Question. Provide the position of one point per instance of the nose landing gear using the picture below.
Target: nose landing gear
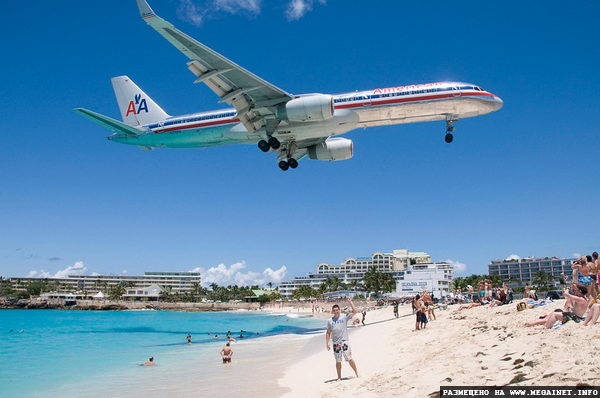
(449, 130)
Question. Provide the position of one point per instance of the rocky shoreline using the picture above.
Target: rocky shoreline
(121, 305)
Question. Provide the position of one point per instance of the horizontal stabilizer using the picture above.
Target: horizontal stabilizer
(109, 123)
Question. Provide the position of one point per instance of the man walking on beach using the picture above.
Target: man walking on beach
(337, 331)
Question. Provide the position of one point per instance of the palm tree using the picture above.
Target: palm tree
(496, 280)
(116, 292)
(355, 285)
(542, 280)
(304, 291)
(378, 282)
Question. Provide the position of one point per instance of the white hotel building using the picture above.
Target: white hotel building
(413, 272)
(176, 282)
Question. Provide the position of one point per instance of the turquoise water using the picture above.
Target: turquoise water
(46, 350)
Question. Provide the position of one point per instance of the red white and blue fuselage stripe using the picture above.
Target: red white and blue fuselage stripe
(394, 96)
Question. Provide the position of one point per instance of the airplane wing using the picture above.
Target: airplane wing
(254, 98)
(109, 123)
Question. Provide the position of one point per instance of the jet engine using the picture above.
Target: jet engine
(332, 149)
(308, 108)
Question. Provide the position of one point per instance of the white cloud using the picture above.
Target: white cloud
(298, 8)
(224, 275)
(459, 268)
(513, 257)
(190, 12)
(76, 269)
(197, 14)
(236, 6)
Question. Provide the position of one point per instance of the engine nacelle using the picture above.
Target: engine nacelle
(309, 108)
(332, 149)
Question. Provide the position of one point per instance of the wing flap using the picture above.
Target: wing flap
(109, 123)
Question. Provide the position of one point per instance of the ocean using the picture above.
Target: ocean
(74, 353)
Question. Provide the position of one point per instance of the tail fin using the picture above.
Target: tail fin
(137, 108)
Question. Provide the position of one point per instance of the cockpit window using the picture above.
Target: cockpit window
(479, 88)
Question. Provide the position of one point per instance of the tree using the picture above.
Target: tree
(355, 285)
(378, 282)
(496, 280)
(34, 288)
(330, 284)
(542, 280)
(116, 292)
(305, 291)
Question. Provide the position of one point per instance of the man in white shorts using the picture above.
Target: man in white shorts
(337, 331)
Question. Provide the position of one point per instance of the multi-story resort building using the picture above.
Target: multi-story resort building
(523, 270)
(176, 282)
(413, 272)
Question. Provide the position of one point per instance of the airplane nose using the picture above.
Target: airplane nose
(498, 103)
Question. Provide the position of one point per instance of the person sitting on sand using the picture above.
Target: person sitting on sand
(593, 312)
(576, 303)
(226, 353)
(526, 291)
(149, 362)
(550, 319)
(470, 305)
(502, 298)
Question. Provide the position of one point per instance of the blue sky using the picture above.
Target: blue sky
(521, 181)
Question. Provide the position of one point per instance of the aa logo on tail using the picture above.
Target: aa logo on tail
(137, 106)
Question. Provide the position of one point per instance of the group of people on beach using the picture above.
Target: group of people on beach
(423, 307)
(582, 298)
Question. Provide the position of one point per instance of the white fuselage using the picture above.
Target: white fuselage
(393, 105)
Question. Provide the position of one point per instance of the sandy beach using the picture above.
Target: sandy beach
(474, 347)
(480, 346)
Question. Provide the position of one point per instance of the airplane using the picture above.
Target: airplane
(292, 126)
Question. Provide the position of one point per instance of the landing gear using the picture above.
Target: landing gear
(449, 130)
(283, 165)
(274, 143)
(286, 164)
(264, 146)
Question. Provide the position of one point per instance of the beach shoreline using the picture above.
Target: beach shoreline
(480, 346)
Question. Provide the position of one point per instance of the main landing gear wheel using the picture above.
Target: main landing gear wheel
(283, 165)
(449, 138)
(286, 164)
(274, 143)
(264, 146)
